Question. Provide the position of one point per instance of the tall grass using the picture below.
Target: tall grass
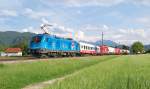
(1, 65)
(16, 76)
(126, 72)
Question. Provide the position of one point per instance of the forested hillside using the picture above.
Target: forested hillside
(12, 38)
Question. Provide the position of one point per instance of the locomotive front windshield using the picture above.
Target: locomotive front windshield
(37, 39)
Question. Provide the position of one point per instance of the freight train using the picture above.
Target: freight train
(43, 45)
(46, 45)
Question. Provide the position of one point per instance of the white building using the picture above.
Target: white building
(3, 54)
(12, 52)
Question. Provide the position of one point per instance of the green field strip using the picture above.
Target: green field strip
(125, 72)
(19, 75)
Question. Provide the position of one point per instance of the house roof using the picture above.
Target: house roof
(13, 50)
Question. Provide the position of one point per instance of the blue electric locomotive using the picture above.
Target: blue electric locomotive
(50, 45)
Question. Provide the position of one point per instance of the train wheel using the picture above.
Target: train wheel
(73, 54)
(43, 56)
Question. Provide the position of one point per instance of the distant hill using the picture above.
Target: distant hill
(9, 38)
(147, 47)
(88, 42)
(107, 42)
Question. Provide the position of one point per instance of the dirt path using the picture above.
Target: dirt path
(41, 85)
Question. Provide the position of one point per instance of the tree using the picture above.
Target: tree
(125, 47)
(148, 51)
(2, 48)
(137, 47)
(23, 45)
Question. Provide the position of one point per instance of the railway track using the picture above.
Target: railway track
(22, 59)
(28, 59)
(17, 59)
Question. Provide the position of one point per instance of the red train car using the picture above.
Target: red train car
(117, 51)
(104, 49)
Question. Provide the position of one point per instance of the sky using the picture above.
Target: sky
(122, 21)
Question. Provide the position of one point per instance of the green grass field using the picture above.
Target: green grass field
(125, 72)
(19, 75)
(103, 72)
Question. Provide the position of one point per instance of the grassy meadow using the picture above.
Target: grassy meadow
(19, 75)
(124, 72)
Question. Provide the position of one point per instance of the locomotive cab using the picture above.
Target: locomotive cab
(37, 44)
(36, 39)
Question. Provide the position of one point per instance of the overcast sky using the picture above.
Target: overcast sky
(122, 21)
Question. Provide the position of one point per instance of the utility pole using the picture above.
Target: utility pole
(102, 38)
(102, 44)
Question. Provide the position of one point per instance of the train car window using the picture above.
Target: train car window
(81, 46)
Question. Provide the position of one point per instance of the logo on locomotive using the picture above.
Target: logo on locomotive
(72, 45)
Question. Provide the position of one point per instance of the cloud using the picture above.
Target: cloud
(105, 3)
(141, 2)
(145, 20)
(32, 29)
(78, 3)
(35, 14)
(55, 29)
(8, 13)
(80, 35)
(44, 21)
(92, 2)
(120, 35)
(11, 5)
